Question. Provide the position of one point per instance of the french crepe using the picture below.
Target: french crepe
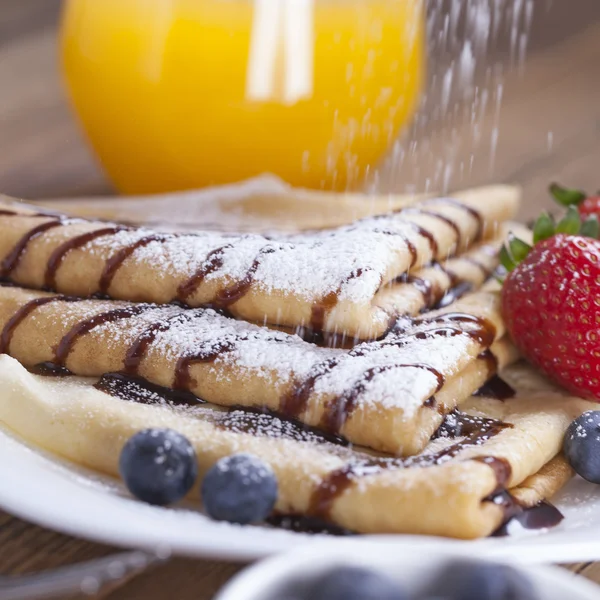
(326, 280)
(389, 394)
(455, 487)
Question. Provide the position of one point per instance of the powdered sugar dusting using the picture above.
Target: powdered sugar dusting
(263, 425)
(113, 243)
(331, 259)
(408, 365)
(116, 335)
(259, 351)
(353, 261)
(405, 375)
(178, 256)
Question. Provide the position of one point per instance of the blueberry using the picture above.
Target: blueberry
(239, 489)
(582, 445)
(462, 580)
(158, 466)
(354, 583)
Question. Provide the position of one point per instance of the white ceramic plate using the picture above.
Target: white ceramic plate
(410, 567)
(58, 495)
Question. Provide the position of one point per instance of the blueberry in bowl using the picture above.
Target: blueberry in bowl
(468, 580)
(457, 580)
(354, 583)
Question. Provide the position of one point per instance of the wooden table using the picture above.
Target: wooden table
(549, 129)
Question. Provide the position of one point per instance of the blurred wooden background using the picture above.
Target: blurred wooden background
(549, 129)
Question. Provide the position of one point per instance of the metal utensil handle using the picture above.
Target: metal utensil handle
(85, 578)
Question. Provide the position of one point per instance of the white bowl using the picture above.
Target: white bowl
(410, 565)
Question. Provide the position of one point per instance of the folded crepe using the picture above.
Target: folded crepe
(329, 280)
(389, 395)
(486, 462)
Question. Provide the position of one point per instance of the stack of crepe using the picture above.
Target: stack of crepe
(340, 356)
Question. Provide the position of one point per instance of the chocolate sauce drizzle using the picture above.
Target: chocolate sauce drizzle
(41, 213)
(62, 351)
(295, 402)
(141, 391)
(433, 244)
(230, 295)
(22, 313)
(486, 271)
(433, 295)
(483, 332)
(337, 412)
(412, 249)
(60, 253)
(183, 379)
(541, 516)
(496, 388)
(304, 524)
(137, 351)
(256, 420)
(214, 261)
(491, 361)
(454, 294)
(452, 277)
(12, 259)
(114, 263)
(321, 309)
(425, 287)
(469, 209)
(49, 369)
(421, 231)
(477, 431)
(439, 217)
(240, 419)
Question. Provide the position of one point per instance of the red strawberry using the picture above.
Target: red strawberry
(586, 204)
(590, 206)
(551, 301)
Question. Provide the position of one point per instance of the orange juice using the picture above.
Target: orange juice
(177, 94)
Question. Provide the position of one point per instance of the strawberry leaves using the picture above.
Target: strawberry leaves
(513, 252)
(516, 251)
(543, 228)
(518, 248)
(506, 260)
(577, 221)
(590, 228)
(570, 223)
(567, 197)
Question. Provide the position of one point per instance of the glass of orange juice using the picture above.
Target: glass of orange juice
(179, 94)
